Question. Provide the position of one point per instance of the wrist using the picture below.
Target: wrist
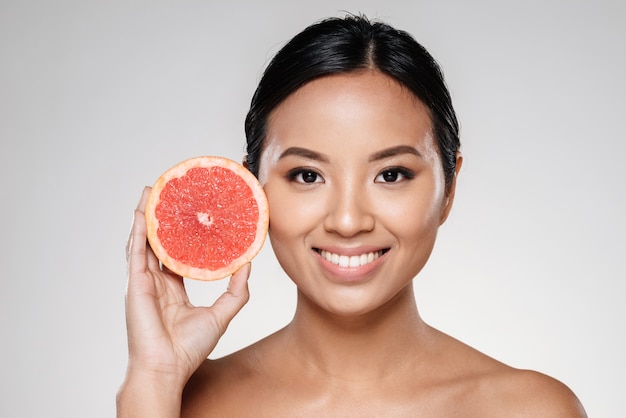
(149, 394)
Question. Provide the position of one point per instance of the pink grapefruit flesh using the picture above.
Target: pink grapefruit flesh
(206, 217)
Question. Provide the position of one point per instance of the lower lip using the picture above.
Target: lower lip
(349, 274)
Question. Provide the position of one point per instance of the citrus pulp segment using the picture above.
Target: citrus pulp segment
(206, 217)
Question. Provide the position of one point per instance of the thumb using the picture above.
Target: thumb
(236, 296)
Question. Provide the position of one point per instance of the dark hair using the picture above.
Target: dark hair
(351, 44)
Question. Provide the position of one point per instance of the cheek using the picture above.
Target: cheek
(292, 220)
(292, 215)
(412, 217)
(408, 225)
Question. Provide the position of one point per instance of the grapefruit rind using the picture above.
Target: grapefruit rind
(152, 222)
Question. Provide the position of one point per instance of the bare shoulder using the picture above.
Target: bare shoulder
(213, 384)
(226, 386)
(486, 387)
(527, 393)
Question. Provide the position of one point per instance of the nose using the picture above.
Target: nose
(349, 212)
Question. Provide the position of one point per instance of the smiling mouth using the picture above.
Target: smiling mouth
(350, 260)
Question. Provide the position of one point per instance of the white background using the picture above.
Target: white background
(97, 99)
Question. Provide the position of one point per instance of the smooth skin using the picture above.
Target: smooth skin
(356, 195)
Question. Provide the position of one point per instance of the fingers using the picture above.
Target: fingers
(139, 255)
(235, 297)
(138, 214)
(238, 284)
(136, 247)
(144, 198)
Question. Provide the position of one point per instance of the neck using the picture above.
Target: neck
(386, 340)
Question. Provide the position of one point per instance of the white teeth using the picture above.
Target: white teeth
(350, 261)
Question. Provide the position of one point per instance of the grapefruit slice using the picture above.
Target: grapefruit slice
(206, 217)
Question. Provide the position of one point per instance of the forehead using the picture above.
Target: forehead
(348, 113)
(363, 93)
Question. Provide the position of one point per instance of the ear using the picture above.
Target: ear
(244, 162)
(449, 198)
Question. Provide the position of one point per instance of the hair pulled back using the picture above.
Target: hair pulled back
(353, 43)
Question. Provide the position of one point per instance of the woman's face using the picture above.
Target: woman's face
(355, 188)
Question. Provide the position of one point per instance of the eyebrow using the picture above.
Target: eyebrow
(393, 151)
(377, 156)
(304, 153)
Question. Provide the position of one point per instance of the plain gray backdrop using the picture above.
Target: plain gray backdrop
(97, 99)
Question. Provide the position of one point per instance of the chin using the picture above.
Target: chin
(353, 302)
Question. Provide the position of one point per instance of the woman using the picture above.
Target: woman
(353, 135)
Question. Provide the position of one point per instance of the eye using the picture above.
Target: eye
(394, 175)
(305, 176)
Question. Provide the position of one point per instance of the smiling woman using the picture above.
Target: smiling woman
(359, 175)
(354, 138)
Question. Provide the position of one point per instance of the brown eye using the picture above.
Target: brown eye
(309, 177)
(305, 176)
(394, 175)
(390, 176)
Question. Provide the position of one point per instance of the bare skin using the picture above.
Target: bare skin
(446, 379)
(351, 170)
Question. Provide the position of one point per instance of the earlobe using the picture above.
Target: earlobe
(449, 199)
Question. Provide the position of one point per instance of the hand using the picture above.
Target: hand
(168, 338)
